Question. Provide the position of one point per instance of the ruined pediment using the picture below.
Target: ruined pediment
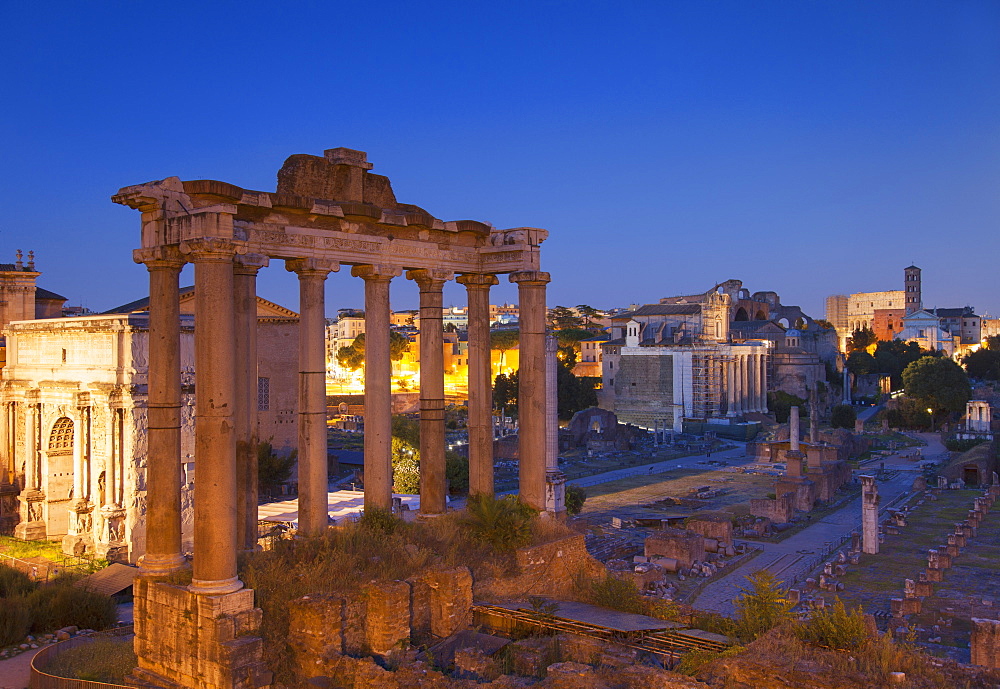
(341, 174)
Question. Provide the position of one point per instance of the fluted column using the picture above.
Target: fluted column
(245, 270)
(731, 386)
(215, 402)
(763, 383)
(432, 436)
(480, 384)
(163, 468)
(744, 384)
(531, 386)
(313, 477)
(378, 385)
(6, 431)
(754, 383)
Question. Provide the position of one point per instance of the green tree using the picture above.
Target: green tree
(781, 403)
(861, 339)
(352, 357)
(503, 340)
(588, 314)
(843, 416)
(761, 607)
(983, 363)
(892, 356)
(938, 384)
(574, 393)
(993, 343)
(405, 467)
(575, 497)
(561, 318)
(505, 394)
(272, 469)
(860, 362)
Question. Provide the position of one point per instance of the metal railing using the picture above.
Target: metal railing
(39, 679)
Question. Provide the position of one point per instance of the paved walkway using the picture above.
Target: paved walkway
(797, 554)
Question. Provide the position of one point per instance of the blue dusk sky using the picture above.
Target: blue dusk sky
(804, 147)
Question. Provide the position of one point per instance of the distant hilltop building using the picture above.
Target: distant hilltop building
(713, 355)
(882, 312)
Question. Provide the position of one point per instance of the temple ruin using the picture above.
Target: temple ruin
(326, 212)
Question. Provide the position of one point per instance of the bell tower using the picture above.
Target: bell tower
(911, 282)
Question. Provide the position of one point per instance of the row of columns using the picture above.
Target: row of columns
(746, 384)
(225, 395)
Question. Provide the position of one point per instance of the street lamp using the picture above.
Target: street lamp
(931, 412)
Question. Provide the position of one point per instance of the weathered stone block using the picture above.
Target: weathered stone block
(388, 615)
(441, 601)
(719, 528)
(683, 546)
(315, 630)
(985, 642)
(935, 575)
(905, 606)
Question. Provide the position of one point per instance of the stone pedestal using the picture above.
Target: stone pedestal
(192, 640)
(869, 514)
(985, 642)
(555, 493)
(32, 525)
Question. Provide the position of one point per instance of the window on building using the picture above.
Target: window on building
(263, 394)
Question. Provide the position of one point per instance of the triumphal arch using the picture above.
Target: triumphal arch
(327, 212)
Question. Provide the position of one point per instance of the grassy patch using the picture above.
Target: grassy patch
(103, 660)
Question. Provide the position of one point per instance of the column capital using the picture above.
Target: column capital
(249, 264)
(477, 280)
(160, 257)
(311, 266)
(430, 279)
(530, 277)
(376, 272)
(212, 249)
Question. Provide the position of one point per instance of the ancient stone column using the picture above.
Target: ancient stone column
(869, 514)
(313, 478)
(813, 416)
(793, 458)
(531, 386)
(755, 382)
(245, 296)
(6, 458)
(731, 386)
(793, 428)
(163, 469)
(215, 402)
(378, 385)
(432, 461)
(763, 383)
(745, 403)
(555, 480)
(480, 384)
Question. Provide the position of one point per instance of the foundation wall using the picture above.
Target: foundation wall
(197, 641)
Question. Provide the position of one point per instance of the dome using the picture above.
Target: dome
(792, 332)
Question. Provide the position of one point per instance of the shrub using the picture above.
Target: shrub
(962, 445)
(62, 604)
(692, 661)
(761, 607)
(15, 620)
(575, 497)
(843, 416)
(503, 523)
(456, 470)
(836, 627)
(14, 582)
(378, 520)
(623, 595)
